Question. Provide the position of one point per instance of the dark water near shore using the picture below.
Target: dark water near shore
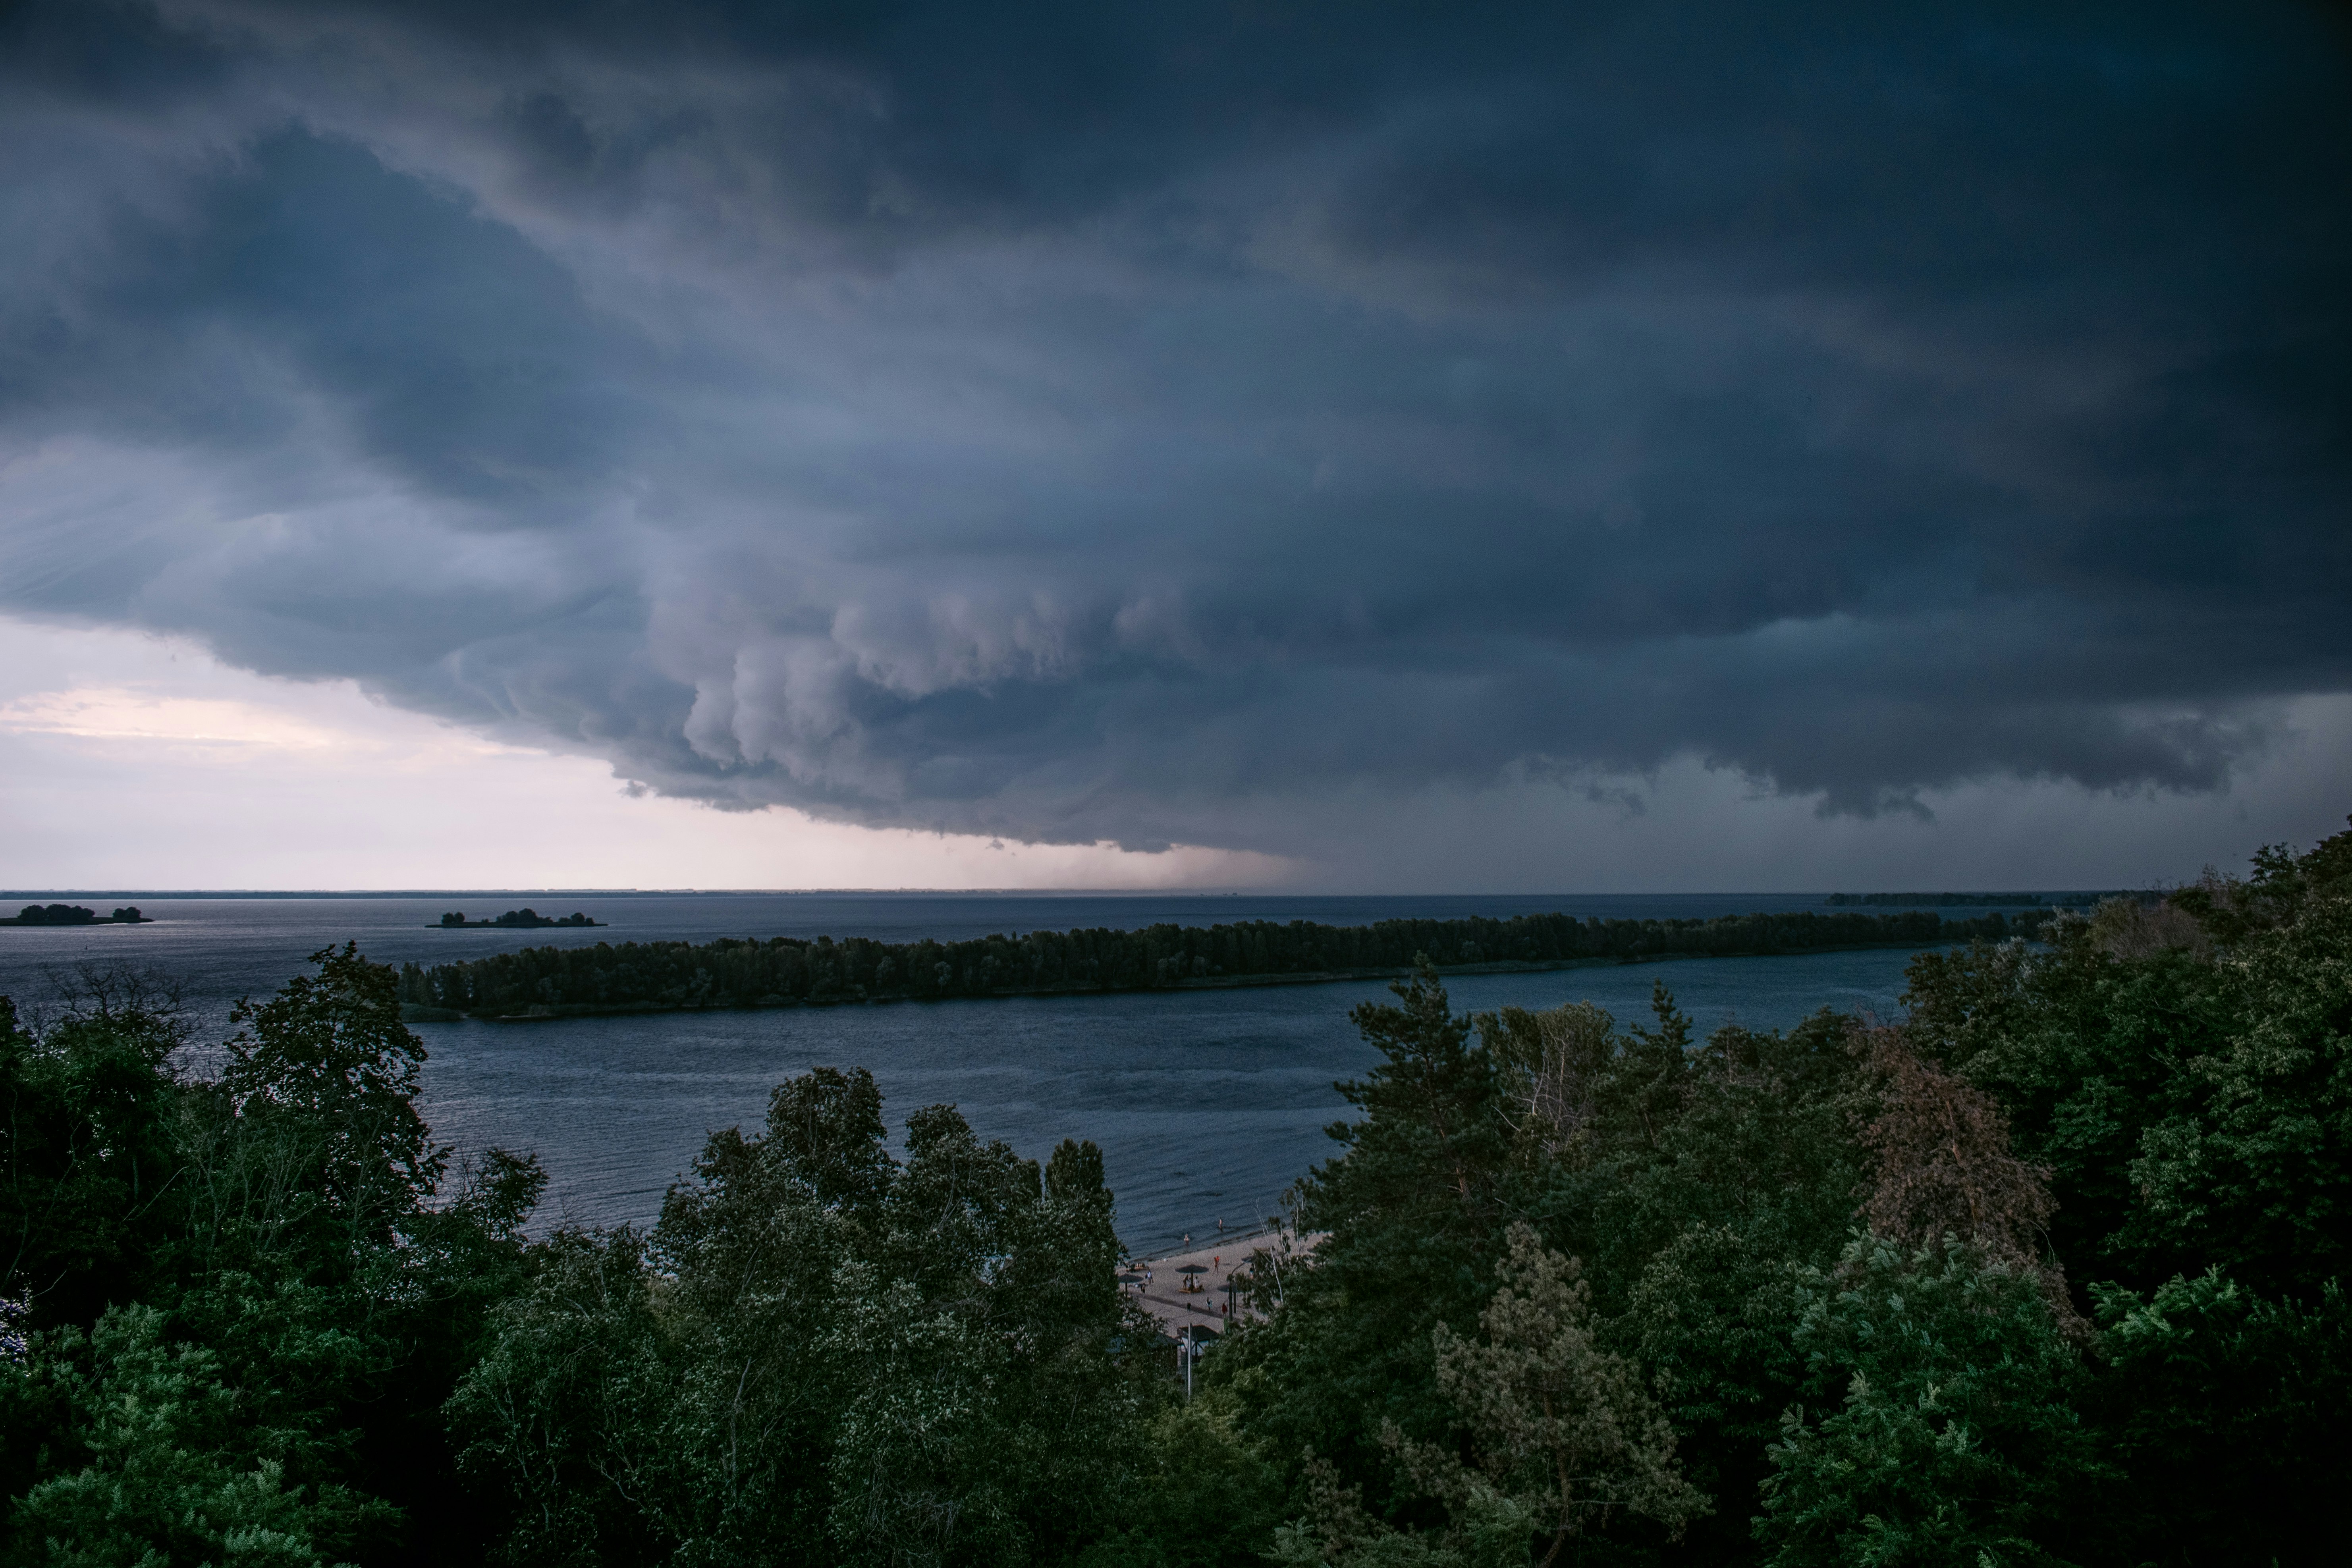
(1206, 1103)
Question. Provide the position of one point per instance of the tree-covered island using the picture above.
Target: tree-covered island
(74, 915)
(2049, 1272)
(526, 919)
(659, 977)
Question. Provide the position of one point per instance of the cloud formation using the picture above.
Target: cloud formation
(1149, 422)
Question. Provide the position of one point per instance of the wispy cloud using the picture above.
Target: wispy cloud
(118, 713)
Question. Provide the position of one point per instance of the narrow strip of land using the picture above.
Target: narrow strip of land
(605, 978)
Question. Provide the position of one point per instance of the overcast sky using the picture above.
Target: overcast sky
(1371, 445)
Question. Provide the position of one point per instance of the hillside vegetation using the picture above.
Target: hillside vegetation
(2049, 1272)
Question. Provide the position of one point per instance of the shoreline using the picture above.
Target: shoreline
(1219, 1259)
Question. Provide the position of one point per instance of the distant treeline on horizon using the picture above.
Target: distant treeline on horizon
(1976, 900)
(653, 976)
(73, 915)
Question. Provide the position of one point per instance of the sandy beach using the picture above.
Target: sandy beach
(1160, 1283)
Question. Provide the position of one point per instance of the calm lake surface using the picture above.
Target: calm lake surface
(1206, 1104)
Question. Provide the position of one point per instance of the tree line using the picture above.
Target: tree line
(783, 971)
(2030, 901)
(2048, 1272)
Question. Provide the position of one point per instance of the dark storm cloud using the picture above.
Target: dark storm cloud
(1142, 422)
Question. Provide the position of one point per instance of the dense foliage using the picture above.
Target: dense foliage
(647, 976)
(2049, 1272)
(244, 1300)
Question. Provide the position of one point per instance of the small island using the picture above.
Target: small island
(526, 919)
(74, 915)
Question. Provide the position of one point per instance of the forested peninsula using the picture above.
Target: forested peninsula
(661, 976)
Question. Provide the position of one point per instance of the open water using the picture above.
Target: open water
(1206, 1104)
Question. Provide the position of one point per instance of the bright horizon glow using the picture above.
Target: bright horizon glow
(130, 762)
(137, 762)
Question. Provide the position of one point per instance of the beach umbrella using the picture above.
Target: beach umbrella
(1130, 1279)
(1194, 1269)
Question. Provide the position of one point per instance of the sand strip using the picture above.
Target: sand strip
(1199, 1300)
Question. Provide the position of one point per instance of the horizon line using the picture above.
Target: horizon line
(989, 892)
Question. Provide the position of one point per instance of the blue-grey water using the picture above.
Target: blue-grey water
(1206, 1104)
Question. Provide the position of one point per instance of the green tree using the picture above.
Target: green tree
(298, 1263)
(988, 1419)
(572, 1413)
(88, 1119)
(2251, 1166)
(2193, 1107)
(1942, 1425)
(667, 1398)
(178, 1471)
(321, 1083)
(1691, 1225)
(2225, 1411)
(1204, 1495)
(2083, 1050)
(1560, 1433)
(819, 1355)
(1414, 1212)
